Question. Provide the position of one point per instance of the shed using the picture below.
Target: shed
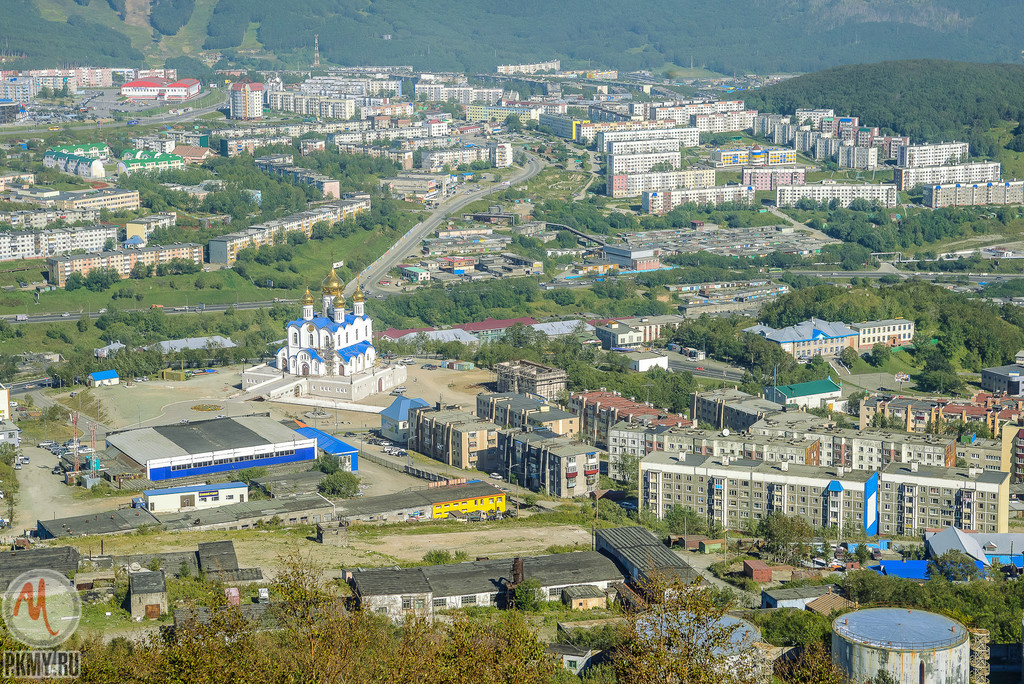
(830, 603)
(583, 597)
(757, 570)
(573, 658)
(710, 545)
(147, 594)
(103, 378)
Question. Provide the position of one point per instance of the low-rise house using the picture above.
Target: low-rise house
(394, 420)
(815, 394)
(103, 378)
(147, 594)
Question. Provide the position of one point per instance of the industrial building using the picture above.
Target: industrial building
(208, 447)
(914, 646)
(439, 501)
(174, 499)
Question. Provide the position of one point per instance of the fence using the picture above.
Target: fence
(402, 467)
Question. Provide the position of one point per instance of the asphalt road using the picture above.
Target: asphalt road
(711, 369)
(410, 241)
(76, 314)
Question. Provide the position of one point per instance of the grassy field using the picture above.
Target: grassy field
(207, 100)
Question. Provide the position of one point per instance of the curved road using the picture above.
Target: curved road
(409, 242)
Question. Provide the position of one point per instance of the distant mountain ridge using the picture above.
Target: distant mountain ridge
(727, 37)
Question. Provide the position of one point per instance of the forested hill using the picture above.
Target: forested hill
(925, 99)
(725, 36)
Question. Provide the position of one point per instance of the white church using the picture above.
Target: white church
(327, 353)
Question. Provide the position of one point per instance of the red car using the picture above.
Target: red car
(700, 368)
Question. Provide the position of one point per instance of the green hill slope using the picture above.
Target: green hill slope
(728, 37)
(925, 99)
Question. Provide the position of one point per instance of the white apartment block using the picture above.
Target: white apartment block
(813, 116)
(639, 163)
(975, 172)
(663, 201)
(643, 146)
(635, 184)
(684, 137)
(552, 65)
(765, 124)
(38, 244)
(938, 154)
(853, 157)
(958, 195)
(246, 101)
(40, 218)
(338, 86)
(789, 195)
(498, 155)
(463, 94)
(724, 122)
(894, 332)
(312, 105)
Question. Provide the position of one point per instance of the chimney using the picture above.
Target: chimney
(784, 466)
(914, 466)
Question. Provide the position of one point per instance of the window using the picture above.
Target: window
(468, 600)
(440, 603)
(406, 603)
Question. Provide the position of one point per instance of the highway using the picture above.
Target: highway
(409, 243)
(714, 370)
(74, 315)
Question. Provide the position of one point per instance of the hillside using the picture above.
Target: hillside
(925, 99)
(728, 37)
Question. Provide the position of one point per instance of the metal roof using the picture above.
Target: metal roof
(211, 342)
(328, 443)
(217, 556)
(813, 591)
(107, 522)
(104, 375)
(195, 488)
(806, 389)
(399, 408)
(63, 559)
(899, 628)
(813, 329)
(165, 441)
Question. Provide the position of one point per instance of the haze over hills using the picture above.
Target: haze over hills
(727, 37)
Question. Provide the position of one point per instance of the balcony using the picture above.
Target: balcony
(591, 471)
(571, 475)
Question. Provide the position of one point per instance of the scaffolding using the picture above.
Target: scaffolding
(979, 656)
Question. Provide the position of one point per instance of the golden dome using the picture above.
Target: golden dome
(308, 299)
(359, 296)
(332, 284)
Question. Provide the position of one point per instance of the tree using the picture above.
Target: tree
(84, 323)
(880, 354)
(527, 595)
(953, 565)
(849, 356)
(341, 484)
(628, 468)
(74, 281)
(784, 537)
(513, 123)
(862, 554)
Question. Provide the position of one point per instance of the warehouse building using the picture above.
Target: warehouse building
(436, 502)
(209, 447)
(174, 499)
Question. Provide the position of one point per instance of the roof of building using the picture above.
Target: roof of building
(558, 328)
(813, 329)
(899, 628)
(1012, 369)
(977, 545)
(768, 468)
(638, 547)
(582, 591)
(147, 582)
(453, 335)
(827, 604)
(807, 592)
(195, 488)
(479, 577)
(104, 375)
(875, 324)
(326, 442)
(211, 342)
(995, 477)
(399, 409)
(412, 501)
(107, 522)
(199, 437)
(569, 650)
(63, 559)
(807, 389)
(222, 515)
(489, 324)
(304, 482)
(217, 556)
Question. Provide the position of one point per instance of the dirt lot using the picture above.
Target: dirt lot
(269, 549)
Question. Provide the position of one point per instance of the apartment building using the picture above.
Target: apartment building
(969, 194)
(854, 157)
(18, 178)
(497, 154)
(723, 122)
(600, 410)
(920, 415)
(753, 156)
(813, 117)
(640, 163)
(312, 105)
(587, 131)
(338, 86)
(974, 172)
(224, 249)
(683, 137)
(38, 244)
(18, 88)
(245, 101)
(463, 94)
(1012, 438)
(113, 199)
(232, 147)
(810, 338)
(482, 112)
(453, 437)
(901, 498)
(765, 125)
(529, 377)
(731, 409)
(404, 158)
(551, 65)
(391, 109)
(843, 193)
(33, 219)
(147, 161)
(663, 201)
(141, 228)
(635, 184)
(122, 261)
(651, 145)
(893, 332)
(86, 167)
(521, 412)
(771, 179)
(931, 154)
(542, 461)
(281, 165)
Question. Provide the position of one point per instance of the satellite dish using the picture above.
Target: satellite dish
(725, 432)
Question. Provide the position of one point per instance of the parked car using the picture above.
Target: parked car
(46, 444)
(496, 476)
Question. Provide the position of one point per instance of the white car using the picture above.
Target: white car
(496, 476)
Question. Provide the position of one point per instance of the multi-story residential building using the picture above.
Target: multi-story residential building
(82, 77)
(844, 193)
(639, 163)
(600, 410)
(634, 184)
(894, 332)
(521, 412)
(121, 261)
(29, 219)
(765, 125)
(551, 65)
(754, 156)
(96, 150)
(281, 165)
(232, 147)
(19, 88)
(648, 146)
(339, 86)
(496, 154)
(17, 178)
(956, 194)
(86, 167)
(529, 377)
(404, 158)
(1012, 434)
(974, 172)
(542, 461)
(684, 137)
(811, 338)
(728, 408)
(923, 415)
(854, 157)
(933, 154)
(902, 498)
(482, 112)
(399, 109)
(141, 228)
(147, 161)
(454, 437)
(113, 199)
(224, 249)
(312, 105)
(246, 101)
(663, 201)
(771, 179)
(463, 94)
(723, 122)
(38, 244)
(813, 117)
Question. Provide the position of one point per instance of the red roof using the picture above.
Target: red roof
(394, 334)
(492, 324)
(242, 84)
(188, 82)
(155, 82)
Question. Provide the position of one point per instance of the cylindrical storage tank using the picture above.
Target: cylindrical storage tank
(914, 646)
(732, 641)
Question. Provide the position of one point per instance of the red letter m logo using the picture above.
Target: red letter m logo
(35, 608)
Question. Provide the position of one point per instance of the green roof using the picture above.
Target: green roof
(805, 389)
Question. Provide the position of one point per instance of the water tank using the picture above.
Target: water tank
(914, 646)
(739, 643)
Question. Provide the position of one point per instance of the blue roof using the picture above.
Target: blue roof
(834, 486)
(910, 569)
(313, 355)
(104, 375)
(328, 443)
(354, 350)
(195, 488)
(399, 409)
